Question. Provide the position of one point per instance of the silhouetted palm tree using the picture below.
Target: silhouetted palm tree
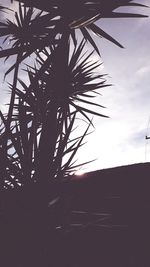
(37, 148)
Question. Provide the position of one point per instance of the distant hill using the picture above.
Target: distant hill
(129, 182)
(121, 238)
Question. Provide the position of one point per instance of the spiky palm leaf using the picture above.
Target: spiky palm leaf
(24, 37)
(83, 14)
(27, 32)
(35, 111)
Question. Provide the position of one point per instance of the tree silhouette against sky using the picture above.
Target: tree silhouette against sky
(54, 82)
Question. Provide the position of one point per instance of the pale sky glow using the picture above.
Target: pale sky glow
(120, 140)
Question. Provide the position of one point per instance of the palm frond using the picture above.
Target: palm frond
(83, 14)
(99, 32)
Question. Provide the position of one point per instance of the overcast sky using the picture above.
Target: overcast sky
(120, 140)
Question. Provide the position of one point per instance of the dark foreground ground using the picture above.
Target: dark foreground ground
(109, 225)
(123, 240)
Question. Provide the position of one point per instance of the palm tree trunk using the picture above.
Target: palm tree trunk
(47, 144)
(49, 135)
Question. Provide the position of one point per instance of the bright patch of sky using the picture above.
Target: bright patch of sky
(120, 140)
